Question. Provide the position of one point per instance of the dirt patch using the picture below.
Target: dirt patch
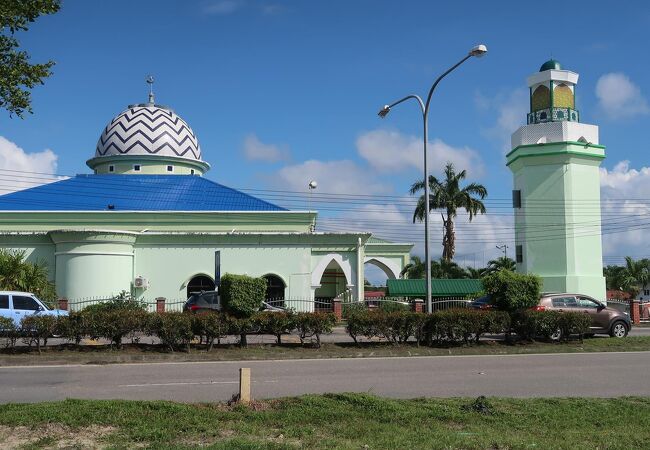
(53, 436)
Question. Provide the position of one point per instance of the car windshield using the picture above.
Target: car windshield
(42, 303)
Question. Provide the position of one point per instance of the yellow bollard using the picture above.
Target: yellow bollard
(245, 385)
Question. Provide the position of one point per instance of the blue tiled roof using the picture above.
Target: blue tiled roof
(133, 193)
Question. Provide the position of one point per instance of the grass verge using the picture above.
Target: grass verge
(151, 353)
(346, 421)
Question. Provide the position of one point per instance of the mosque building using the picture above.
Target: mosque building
(148, 222)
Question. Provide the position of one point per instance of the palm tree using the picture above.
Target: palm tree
(636, 274)
(447, 269)
(413, 270)
(475, 273)
(17, 274)
(449, 196)
(501, 263)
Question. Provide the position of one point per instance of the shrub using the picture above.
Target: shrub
(241, 295)
(116, 323)
(531, 325)
(574, 323)
(313, 325)
(466, 325)
(8, 332)
(275, 323)
(361, 322)
(240, 326)
(37, 328)
(121, 302)
(350, 309)
(211, 326)
(396, 326)
(512, 291)
(391, 306)
(75, 326)
(172, 328)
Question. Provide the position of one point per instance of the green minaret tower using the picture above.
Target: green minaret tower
(555, 162)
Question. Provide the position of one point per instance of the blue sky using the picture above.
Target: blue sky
(280, 92)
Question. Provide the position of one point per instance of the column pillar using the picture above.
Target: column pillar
(635, 311)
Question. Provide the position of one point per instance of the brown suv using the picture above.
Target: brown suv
(603, 319)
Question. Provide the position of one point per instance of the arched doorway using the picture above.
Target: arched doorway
(376, 271)
(200, 283)
(274, 290)
(332, 283)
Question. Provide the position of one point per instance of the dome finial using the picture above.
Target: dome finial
(150, 81)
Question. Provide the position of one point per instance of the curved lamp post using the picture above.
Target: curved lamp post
(478, 51)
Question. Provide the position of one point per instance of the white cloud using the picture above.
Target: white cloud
(390, 151)
(336, 177)
(255, 150)
(625, 209)
(16, 161)
(619, 97)
(223, 7)
(510, 109)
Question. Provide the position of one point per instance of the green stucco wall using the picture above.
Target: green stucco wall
(558, 224)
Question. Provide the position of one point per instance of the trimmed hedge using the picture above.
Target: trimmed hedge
(512, 291)
(241, 295)
(452, 325)
(533, 325)
(176, 330)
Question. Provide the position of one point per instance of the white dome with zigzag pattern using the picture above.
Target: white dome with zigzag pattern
(148, 129)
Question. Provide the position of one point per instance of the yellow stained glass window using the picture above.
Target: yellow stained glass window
(563, 96)
(541, 98)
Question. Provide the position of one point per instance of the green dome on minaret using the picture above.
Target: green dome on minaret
(551, 64)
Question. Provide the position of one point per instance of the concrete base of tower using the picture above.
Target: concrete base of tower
(593, 286)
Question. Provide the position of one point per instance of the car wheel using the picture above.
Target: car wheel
(556, 335)
(618, 330)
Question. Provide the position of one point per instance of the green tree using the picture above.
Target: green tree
(439, 269)
(17, 75)
(475, 273)
(614, 276)
(448, 196)
(636, 274)
(501, 263)
(17, 274)
(414, 270)
(447, 269)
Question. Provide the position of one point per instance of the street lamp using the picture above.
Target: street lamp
(478, 51)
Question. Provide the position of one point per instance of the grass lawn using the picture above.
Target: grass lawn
(351, 421)
(143, 353)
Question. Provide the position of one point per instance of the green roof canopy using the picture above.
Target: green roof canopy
(439, 287)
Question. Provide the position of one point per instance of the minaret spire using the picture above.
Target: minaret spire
(150, 81)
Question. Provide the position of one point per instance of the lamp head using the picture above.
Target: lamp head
(383, 112)
(478, 50)
(313, 184)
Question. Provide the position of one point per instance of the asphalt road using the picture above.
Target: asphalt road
(559, 375)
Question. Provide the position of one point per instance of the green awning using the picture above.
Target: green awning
(439, 287)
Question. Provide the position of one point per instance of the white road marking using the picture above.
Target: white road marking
(186, 383)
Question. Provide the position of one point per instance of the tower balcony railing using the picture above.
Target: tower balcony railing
(554, 115)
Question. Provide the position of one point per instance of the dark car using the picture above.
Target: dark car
(484, 302)
(603, 319)
(203, 301)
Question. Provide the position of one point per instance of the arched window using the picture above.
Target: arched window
(563, 96)
(274, 290)
(541, 98)
(200, 283)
